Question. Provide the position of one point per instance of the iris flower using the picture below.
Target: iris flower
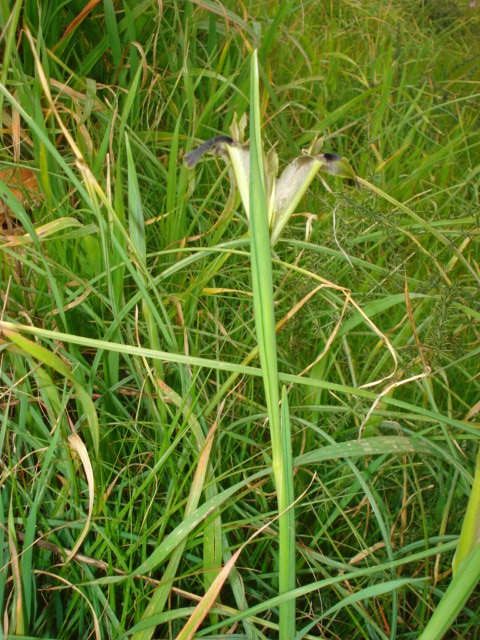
(283, 193)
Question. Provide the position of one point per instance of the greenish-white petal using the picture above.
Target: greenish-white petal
(290, 188)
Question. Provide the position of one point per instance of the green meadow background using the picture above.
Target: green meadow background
(203, 436)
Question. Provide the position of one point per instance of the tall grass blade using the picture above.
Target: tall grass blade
(262, 287)
(112, 30)
(286, 499)
(455, 597)
(470, 534)
(19, 619)
(261, 270)
(136, 220)
(9, 34)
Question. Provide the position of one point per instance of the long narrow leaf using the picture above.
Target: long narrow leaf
(286, 500)
(460, 589)
(262, 286)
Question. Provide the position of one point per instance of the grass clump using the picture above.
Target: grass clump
(140, 489)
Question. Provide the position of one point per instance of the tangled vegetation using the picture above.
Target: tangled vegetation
(203, 435)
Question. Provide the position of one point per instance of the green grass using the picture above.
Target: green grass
(217, 485)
